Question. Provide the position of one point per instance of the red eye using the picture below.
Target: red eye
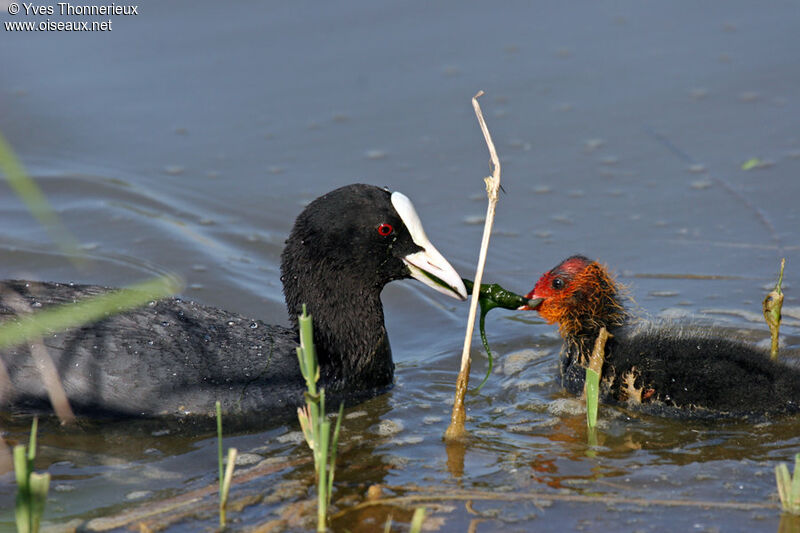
(385, 229)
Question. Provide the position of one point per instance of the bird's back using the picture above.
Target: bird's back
(168, 357)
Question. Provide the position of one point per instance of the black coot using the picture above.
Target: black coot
(176, 357)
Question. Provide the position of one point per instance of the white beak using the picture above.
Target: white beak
(428, 265)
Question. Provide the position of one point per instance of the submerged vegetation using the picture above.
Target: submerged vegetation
(773, 303)
(492, 296)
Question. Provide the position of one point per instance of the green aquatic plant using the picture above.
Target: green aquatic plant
(32, 488)
(313, 422)
(591, 385)
(789, 486)
(490, 297)
(226, 473)
(773, 303)
(751, 163)
(417, 520)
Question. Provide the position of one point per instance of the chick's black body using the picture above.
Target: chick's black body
(175, 357)
(688, 371)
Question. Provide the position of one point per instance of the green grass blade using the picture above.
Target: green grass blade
(784, 482)
(225, 486)
(417, 520)
(322, 475)
(23, 503)
(794, 491)
(229, 468)
(32, 441)
(39, 486)
(592, 397)
(316, 428)
(311, 373)
(334, 448)
(324, 449)
(21, 464)
(35, 200)
(90, 310)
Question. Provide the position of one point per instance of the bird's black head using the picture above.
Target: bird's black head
(344, 247)
(364, 236)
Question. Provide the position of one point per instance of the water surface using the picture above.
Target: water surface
(188, 138)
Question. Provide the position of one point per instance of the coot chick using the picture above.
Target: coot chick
(666, 368)
(176, 357)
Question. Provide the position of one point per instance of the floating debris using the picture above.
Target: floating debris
(590, 145)
(245, 459)
(451, 71)
(749, 96)
(474, 219)
(138, 494)
(174, 170)
(756, 163)
(374, 155)
(698, 93)
(389, 427)
(702, 184)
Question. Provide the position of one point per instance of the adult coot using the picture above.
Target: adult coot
(176, 357)
(666, 368)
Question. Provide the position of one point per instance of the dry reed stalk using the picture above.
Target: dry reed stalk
(456, 430)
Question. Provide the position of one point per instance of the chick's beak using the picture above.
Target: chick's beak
(533, 303)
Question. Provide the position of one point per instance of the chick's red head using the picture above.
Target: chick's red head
(579, 295)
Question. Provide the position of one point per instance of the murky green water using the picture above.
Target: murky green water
(188, 138)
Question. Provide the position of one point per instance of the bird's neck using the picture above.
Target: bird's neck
(349, 332)
(582, 328)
